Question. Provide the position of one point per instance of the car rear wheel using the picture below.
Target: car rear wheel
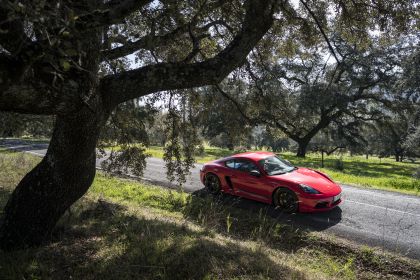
(213, 183)
(286, 200)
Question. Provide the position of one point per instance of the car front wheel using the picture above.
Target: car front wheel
(286, 200)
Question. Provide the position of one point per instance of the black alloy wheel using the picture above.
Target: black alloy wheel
(286, 200)
(213, 183)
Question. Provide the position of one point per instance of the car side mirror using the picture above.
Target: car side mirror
(255, 173)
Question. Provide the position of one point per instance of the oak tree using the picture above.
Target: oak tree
(79, 60)
(50, 59)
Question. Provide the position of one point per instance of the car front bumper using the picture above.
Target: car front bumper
(319, 205)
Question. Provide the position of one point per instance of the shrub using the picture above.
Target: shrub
(339, 164)
(199, 150)
(240, 149)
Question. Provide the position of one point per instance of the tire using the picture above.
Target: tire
(212, 183)
(286, 200)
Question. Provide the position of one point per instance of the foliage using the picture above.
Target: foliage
(182, 138)
(126, 126)
(183, 33)
(398, 133)
(338, 164)
(416, 173)
(219, 120)
(306, 92)
(18, 125)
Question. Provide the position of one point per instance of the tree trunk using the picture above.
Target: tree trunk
(230, 145)
(322, 158)
(61, 178)
(399, 153)
(302, 146)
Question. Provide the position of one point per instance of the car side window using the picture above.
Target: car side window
(245, 165)
(230, 163)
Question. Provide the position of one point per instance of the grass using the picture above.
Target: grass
(124, 229)
(369, 173)
(374, 173)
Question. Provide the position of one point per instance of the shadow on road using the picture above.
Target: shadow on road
(312, 221)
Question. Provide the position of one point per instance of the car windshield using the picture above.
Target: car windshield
(275, 165)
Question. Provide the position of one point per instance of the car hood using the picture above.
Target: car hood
(311, 178)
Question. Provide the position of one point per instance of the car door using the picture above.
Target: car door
(244, 183)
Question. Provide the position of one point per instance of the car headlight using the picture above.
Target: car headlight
(308, 189)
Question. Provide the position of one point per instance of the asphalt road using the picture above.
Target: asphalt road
(387, 220)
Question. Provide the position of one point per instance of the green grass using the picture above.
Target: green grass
(374, 173)
(210, 153)
(124, 229)
(370, 173)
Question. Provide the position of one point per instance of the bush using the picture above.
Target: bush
(199, 150)
(339, 164)
(240, 149)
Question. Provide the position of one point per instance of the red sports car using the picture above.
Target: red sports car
(265, 177)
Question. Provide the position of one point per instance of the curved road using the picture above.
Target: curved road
(387, 220)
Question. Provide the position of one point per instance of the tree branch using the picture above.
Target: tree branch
(150, 42)
(258, 120)
(320, 29)
(237, 105)
(115, 12)
(171, 76)
(12, 35)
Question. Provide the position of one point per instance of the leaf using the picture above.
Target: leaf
(65, 64)
(71, 52)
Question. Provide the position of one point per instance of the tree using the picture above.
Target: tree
(219, 120)
(56, 49)
(396, 133)
(11, 125)
(399, 129)
(69, 59)
(302, 94)
(17, 125)
(304, 79)
(274, 139)
(156, 130)
(410, 85)
(328, 141)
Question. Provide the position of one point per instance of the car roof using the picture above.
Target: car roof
(253, 155)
